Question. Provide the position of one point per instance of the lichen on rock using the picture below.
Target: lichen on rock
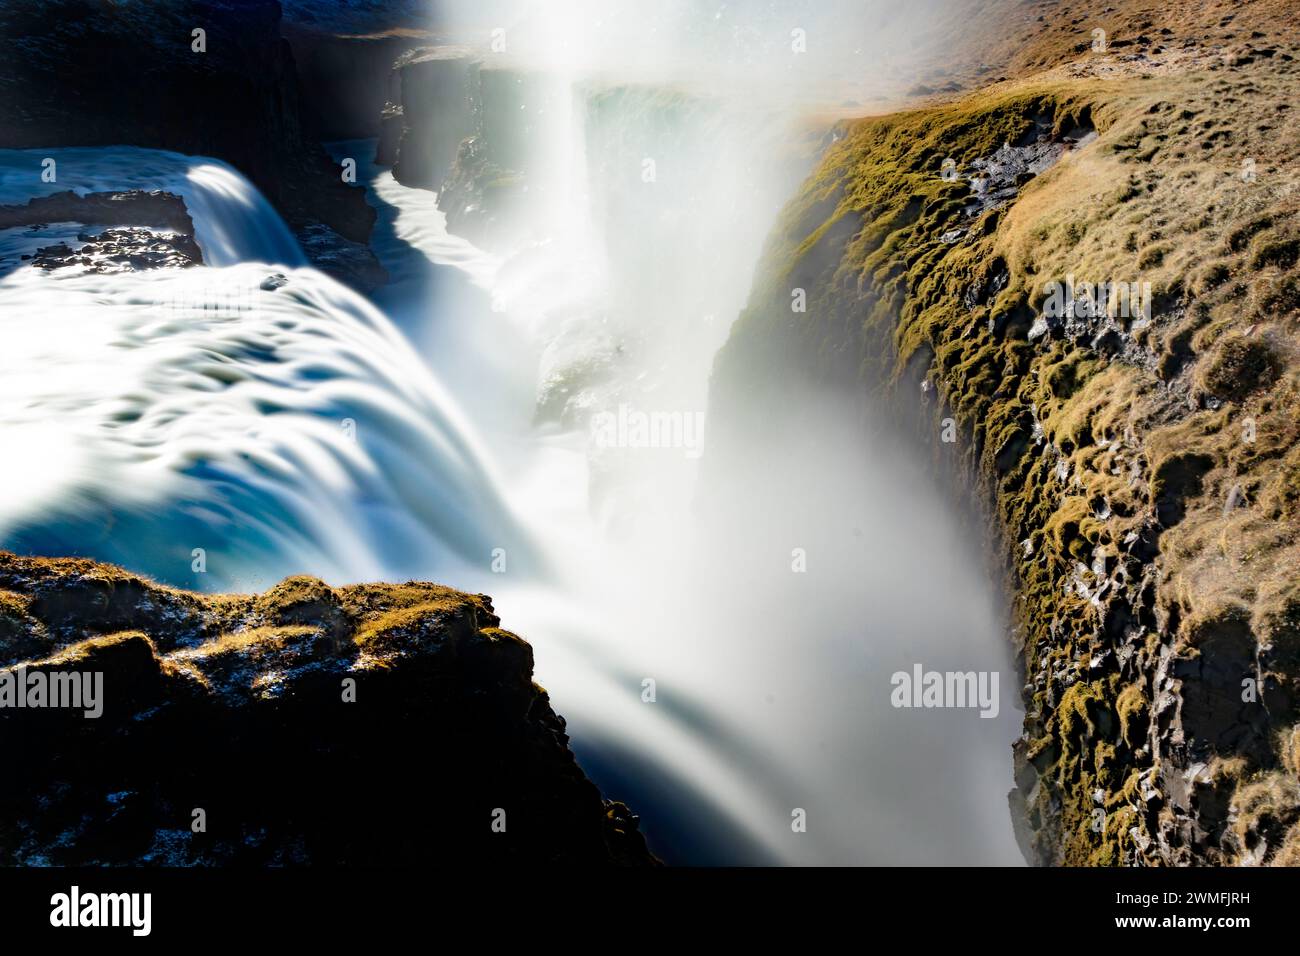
(362, 725)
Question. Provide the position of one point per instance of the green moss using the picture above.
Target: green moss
(1176, 477)
(1152, 256)
(1281, 298)
(1083, 715)
(252, 641)
(1276, 622)
(17, 628)
(295, 599)
(394, 629)
(1072, 529)
(888, 299)
(1134, 714)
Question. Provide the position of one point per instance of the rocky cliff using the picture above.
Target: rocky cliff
(95, 72)
(347, 79)
(372, 724)
(1088, 278)
(438, 89)
(468, 127)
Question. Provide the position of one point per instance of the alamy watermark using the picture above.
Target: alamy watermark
(1093, 300)
(223, 300)
(946, 689)
(634, 428)
(73, 690)
(75, 908)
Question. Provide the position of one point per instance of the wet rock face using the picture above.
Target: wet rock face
(373, 724)
(346, 80)
(351, 263)
(147, 230)
(95, 72)
(480, 195)
(466, 129)
(438, 87)
(121, 250)
(133, 207)
(391, 120)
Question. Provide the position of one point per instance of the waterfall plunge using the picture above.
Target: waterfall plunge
(276, 430)
(159, 428)
(772, 688)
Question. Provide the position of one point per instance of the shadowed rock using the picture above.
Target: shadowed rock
(99, 73)
(373, 724)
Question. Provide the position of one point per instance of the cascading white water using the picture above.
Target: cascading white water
(277, 427)
(277, 430)
(772, 688)
(233, 222)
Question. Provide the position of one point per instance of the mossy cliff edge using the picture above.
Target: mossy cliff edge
(368, 725)
(1142, 470)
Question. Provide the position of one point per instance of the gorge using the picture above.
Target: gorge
(891, 452)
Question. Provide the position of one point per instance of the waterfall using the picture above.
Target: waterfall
(233, 222)
(216, 430)
(704, 680)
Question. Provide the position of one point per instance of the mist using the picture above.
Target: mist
(724, 654)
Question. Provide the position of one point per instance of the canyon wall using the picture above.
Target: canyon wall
(1139, 465)
(470, 129)
(346, 80)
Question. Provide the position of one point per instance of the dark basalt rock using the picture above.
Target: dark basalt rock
(479, 195)
(464, 127)
(391, 121)
(351, 263)
(372, 724)
(148, 230)
(346, 80)
(133, 207)
(122, 250)
(438, 87)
